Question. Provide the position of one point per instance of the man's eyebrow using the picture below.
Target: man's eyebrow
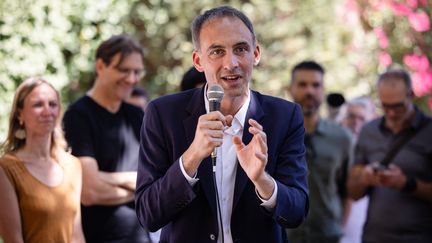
(215, 46)
(242, 43)
(218, 46)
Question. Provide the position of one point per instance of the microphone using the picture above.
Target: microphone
(215, 93)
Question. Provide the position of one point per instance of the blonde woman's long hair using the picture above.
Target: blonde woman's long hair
(12, 144)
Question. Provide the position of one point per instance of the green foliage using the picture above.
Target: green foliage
(54, 39)
(57, 39)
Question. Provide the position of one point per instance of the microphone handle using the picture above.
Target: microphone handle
(214, 105)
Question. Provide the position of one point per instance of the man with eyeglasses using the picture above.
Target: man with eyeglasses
(103, 131)
(328, 155)
(400, 205)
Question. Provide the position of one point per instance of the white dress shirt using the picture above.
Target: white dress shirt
(226, 167)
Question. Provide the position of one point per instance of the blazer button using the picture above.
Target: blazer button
(212, 237)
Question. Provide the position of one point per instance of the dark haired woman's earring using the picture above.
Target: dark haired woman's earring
(20, 132)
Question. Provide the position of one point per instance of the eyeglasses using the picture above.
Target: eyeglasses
(395, 106)
(139, 73)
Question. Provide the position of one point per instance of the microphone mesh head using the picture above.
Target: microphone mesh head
(215, 92)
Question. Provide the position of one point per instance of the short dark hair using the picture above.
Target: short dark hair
(335, 99)
(122, 44)
(191, 79)
(395, 74)
(307, 65)
(223, 11)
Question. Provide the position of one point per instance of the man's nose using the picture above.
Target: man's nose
(231, 61)
(310, 89)
(132, 77)
(391, 112)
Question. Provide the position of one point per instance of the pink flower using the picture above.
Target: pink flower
(350, 12)
(382, 38)
(412, 3)
(422, 83)
(351, 6)
(385, 59)
(416, 62)
(378, 5)
(400, 9)
(424, 2)
(419, 21)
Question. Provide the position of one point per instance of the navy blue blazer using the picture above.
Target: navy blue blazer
(165, 199)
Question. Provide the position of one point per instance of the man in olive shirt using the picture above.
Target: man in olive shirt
(400, 204)
(328, 147)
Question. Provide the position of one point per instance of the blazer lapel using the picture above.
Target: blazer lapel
(255, 112)
(196, 108)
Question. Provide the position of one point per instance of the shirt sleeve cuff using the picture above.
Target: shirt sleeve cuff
(191, 180)
(271, 202)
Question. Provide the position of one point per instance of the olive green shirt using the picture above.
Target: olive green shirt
(328, 155)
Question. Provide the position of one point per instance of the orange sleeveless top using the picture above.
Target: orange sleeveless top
(47, 213)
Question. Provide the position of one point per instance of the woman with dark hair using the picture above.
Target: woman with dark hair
(40, 182)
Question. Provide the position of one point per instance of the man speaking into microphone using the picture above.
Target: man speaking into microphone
(258, 184)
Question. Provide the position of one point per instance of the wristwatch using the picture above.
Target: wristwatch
(410, 184)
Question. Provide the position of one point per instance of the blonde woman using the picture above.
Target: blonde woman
(40, 183)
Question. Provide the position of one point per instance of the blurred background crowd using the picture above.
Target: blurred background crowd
(353, 39)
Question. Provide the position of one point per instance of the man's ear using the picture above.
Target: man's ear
(196, 58)
(100, 65)
(257, 55)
